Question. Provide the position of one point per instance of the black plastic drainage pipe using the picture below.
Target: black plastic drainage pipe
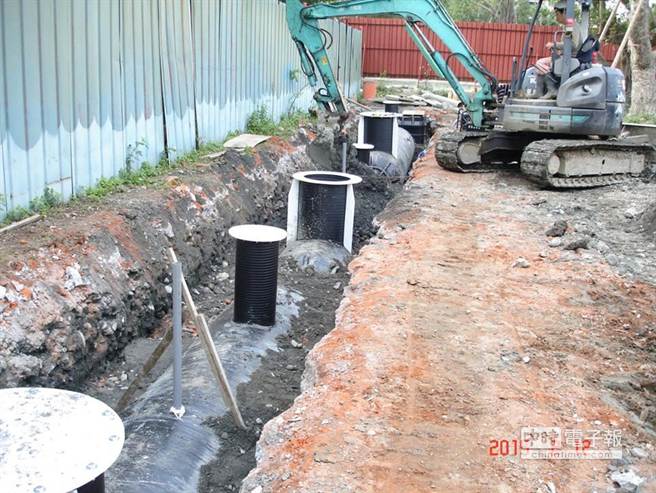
(391, 106)
(256, 273)
(364, 152)
(379, 130)
(322, 204)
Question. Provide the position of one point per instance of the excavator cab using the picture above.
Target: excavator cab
(589, 100)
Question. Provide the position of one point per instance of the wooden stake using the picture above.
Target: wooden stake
(145, 370)
(24, 222)
(604, 31)
(210, 350)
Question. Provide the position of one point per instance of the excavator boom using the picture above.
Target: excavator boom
(311, 41)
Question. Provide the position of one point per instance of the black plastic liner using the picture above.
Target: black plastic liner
(256, 282)
(393, 167)
(163, 454)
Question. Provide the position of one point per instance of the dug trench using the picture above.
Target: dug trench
(85, 293)
(273, 387)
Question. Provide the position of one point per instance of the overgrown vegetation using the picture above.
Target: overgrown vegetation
(383, 90)
(645, 118)
(261, 122)
(39, 205)
(147, 174)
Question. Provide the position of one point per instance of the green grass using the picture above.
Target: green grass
(261, 122)
(39, 205)
(147, 174)
(382, 90)
(647, 118)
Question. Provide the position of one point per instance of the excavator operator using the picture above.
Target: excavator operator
(543, 65)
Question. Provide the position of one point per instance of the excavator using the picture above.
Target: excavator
(572, 141)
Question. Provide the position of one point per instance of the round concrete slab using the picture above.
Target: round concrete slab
(327, 178)
(54, 440)
(258, 233)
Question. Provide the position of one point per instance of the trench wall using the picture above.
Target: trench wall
(77, 287)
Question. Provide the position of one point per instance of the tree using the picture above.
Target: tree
(643, 64)
(507, 11)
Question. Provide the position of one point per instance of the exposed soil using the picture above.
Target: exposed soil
(460, 326)
(275, 385)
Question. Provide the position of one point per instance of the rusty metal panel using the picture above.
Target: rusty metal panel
(177, 76)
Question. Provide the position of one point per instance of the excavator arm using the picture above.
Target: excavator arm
(312, 42)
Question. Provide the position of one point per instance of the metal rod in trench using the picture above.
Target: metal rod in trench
(344, 154)
(177, 409)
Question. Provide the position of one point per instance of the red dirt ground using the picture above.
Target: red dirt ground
(441, 346)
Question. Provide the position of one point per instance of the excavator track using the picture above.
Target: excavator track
(544, 160)
(448, 152)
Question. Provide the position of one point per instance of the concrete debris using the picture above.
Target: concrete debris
(245, 140)
(632, 213)
(296, 344)
(582, 242)
(612, 259)
(3, 292)
(522, 263)
(639, 452)
(559, 228)
(168, 231)
(555, 242)
(629, 481)
(223, 276)
(73, 278)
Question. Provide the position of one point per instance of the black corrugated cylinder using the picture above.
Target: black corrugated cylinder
(322, 208)
(391, 106)
(364, 152)
(256, 280)
(379, 131)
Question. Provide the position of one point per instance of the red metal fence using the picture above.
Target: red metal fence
(389, 51)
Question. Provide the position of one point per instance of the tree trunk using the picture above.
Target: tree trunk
(643, 65)
(507, 11)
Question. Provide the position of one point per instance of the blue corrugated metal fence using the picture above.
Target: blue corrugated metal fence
(88, 87)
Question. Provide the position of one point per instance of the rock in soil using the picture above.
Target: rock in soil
(579, 243)
(559, 228)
